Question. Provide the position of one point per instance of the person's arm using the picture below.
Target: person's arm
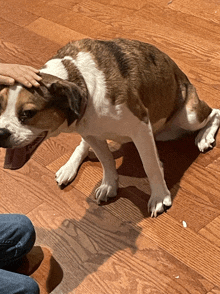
(24, 74)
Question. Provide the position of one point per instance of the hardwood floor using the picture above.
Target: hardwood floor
(116, 247)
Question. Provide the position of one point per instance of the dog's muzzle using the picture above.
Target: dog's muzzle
(16, 156)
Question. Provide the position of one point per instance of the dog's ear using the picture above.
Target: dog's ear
(68, 97)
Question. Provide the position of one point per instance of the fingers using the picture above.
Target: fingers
(6, 80)
(29, 79)
(26, 75)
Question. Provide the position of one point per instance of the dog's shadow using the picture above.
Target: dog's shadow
(83, 245)
(176, 157)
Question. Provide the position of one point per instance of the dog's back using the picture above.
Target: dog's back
(137, 74)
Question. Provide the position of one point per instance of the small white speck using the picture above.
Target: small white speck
(184, 224)
(177, 277)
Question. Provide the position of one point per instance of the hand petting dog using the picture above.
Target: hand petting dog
(26, 75)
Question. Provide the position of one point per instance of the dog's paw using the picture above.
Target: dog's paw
(205, 141)
(157, 204)
(106, 191)
(65, 174)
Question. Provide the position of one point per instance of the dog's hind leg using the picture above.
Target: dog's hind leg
(109, 185)
(67, 172)
(195, 115)
(206, 136)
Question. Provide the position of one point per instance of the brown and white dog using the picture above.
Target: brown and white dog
(121, 90)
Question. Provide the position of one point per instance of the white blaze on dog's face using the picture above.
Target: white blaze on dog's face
(28, 116)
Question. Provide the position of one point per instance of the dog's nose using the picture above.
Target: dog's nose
(4, 135)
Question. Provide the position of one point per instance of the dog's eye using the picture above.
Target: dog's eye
(27, 114)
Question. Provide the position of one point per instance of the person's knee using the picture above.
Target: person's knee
(30, 286)
(25, 224)
(11, 282)
(17, 235)
(26, 233)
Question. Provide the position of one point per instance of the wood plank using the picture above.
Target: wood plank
(202, 9)
(68, 4)
(54, 32)
(202, 183)
(211, 231)
(133, 5)
(100, 253)
(15, 197)
(3, 210)
(215, 290)
(214, 165)
(11, 53)
(83, 24)
(34, 44)
(40, 182)
(187, 207)
(6, 28)
(19, 16)
(68, 140)
(40, 8)
(180, 20)
(48, 152)
(57, 14)
(196, 252)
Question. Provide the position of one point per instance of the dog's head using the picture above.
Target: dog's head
(29, 116)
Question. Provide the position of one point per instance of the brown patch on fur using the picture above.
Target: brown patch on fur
(54, 101)
(46, 118)
(137, 74)
(203, 111)
(75, 76)
(71, 49)
(3, 99)
(28, 98)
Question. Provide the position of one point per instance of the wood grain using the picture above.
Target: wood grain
(116, 247)
(211, 231)
(100, 257)
(54, 32)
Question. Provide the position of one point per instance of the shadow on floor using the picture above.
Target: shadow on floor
(89, 242)
(42, 266)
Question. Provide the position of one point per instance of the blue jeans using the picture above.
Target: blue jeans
(17, 237)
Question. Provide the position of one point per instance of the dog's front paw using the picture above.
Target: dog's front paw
(65, 174)
(106, 191)
(157, 204)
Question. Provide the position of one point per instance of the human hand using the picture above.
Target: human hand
(26, 75)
